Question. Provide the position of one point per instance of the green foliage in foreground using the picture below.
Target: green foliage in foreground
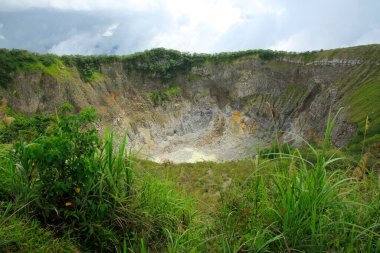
(87, 194)
(82, 188)
(285, 202)
(19, 233)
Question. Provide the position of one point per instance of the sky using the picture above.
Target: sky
(91, 27)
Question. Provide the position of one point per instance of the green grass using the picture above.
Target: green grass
(364, 101)
(173, 90)
(95, 196)
(23, 234)
(57, 70)
(364, 53)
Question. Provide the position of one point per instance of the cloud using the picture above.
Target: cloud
(79, 5)
(110, 30)
(126, 26)
(197, 24)
(77, 44)
(2, 37)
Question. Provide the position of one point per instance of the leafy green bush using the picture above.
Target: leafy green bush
(13, 60)
(70, 179)
(24, 127)
(158, 63)
(48, 59)
(88, 66)
(59, 158)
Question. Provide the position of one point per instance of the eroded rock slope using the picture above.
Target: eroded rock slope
(212, 110)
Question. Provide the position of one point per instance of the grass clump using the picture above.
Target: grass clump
(159, 97)
(299, 207)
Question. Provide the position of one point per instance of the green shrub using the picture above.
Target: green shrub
(157, 97)
(88, 66)
(55, 163)
(48, 59)
(14, 60)
(25, 127)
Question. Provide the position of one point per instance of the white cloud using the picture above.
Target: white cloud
(84, 44)
(2, 37)
(110, 30)
(198, 24)
(125, 26)
(298, 41)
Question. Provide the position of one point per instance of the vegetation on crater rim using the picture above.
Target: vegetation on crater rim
(162, 63)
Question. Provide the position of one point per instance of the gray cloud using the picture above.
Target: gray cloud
(79, 32)
(122, 27)
(308, 25)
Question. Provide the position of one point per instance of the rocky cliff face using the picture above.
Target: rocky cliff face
(212, 111)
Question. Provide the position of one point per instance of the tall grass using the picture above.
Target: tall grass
(292, 204)
(20, 234)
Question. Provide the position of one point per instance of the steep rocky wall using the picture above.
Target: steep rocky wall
(220, 111)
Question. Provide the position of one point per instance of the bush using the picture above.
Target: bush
(24, 127)
(57, 162)
(88, 66)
